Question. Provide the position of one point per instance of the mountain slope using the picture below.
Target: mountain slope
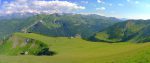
(71, 25)
(125, 31)
(9, 26)
(143, 35)
(56, 25)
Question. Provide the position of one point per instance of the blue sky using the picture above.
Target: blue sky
(132, 9)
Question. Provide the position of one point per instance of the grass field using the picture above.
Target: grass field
(77, 50)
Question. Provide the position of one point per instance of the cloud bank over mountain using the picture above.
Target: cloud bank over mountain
(38, 7)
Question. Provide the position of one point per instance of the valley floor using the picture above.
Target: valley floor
(76, 50)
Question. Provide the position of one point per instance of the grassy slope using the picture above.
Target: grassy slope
(126, 31)
(17, 44)
(77, 50)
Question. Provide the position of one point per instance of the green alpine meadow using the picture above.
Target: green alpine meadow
(74, 31)
(74, 50)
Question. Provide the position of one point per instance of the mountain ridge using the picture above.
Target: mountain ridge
(124, 31)
(66, 24)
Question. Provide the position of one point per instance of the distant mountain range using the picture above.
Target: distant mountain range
(91, 27)
(67, 25)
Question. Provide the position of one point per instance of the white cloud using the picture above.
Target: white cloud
(120, 4)
(102, 8)
(128, 0)
(137, 2)
(133, 1)
(99, 1)
(36, 6)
